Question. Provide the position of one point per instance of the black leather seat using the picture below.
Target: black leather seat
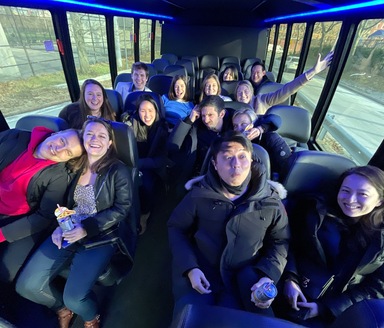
(194, 60)
(228, 88)
(250, 62)
(311, 171)
(151, 70)
(160, 83)
(173, 70)
(230, 59)
(172, 58)
(116, 102)
(206, 316)
(160, 64)
(295, 125)
(54, 123)
(208, 64)
(236, 105)
(122, 77)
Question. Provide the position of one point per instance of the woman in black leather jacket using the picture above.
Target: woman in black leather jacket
(338, 250)
(101, 196)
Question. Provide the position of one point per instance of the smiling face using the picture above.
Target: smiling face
(96, 140)
(139, 78)
(229, 75)
(241, 122)
(180, 89)
(357, 196)
(93, 96)
(211, 88)
(60, 147)
(147, 112)
(244, 94)
(257, 74)
(233, 163)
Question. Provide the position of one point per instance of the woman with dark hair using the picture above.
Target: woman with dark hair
(230, 74)
(211, 87)
(337, 248)
(93, 101)
(151, 131)
(101, 196)
(176, 103)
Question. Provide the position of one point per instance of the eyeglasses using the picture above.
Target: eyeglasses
(92, 117)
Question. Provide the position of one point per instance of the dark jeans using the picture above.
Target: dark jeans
(36, 279)
(236, 297)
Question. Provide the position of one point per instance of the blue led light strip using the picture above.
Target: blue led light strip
(326, 11)
(109, 8)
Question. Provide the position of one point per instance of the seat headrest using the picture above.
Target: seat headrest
(296, 122)
(51, 122)
(312, 171)
(115, 101)
(125, 144)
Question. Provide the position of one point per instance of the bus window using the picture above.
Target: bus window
(324, 38)
(158, 39)
(354, 124)
(279, 48)
(270, 45)
(124, 39)
(295, 44)
(145, 40)
(31, 74)
(89, 45)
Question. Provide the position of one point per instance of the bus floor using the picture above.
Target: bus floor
(143, 299)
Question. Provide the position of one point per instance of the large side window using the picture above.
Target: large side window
(323, 40)
(354, 124)
(145, 40)
(279, 48)
(295, 45)
(270, 45)
(90, 48)
(31, 74)
(124, 40)
(158, 39)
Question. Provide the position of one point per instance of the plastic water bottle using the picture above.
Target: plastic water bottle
(265, 292)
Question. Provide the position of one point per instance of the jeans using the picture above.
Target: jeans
(36, 279)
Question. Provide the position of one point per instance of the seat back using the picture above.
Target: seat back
(53, 123)
(311, 171)
(160, 83)
(160, 64)
(228, 88)
(295, 125)
(173, 70)
(172, 58)
(209, 61)
(236, 105)
(130, 102)
(116, 102)
(194, 60)
(250, 62)
(230, 59)
(122, 77)
(272, 87)
(270, 76)
(151, 70)
(259, 153)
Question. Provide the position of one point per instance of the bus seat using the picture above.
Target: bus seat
(236, 105)
(173, 70)
(209, 316)
(295, 125)
(29, 122)
(190, 67)
(130, 102)
(160, 84)
(194, 60)
(231, 60)
(172, 58)
(122, 77)
(160, 64)
(258, 153)
(151, 70)
(250, 62)
(228, 88)
(209, 61)
(270, 76)
(116, 102)
(312, 171)
(272, 87)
